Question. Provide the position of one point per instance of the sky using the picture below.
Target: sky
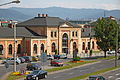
(96, 4)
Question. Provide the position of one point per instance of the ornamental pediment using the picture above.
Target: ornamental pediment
(65, 25)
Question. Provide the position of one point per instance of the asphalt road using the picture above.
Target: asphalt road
(81, 70)
(3, 70)
(112, 75)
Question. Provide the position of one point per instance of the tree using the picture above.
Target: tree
(105, 33)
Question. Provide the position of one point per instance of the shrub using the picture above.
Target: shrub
(76, 58)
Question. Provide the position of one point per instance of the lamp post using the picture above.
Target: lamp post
(14, 26)
(116, 45)
(17, 1)
(15, 47)
(90, 51)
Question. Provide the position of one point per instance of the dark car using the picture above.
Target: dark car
(56, 63)
(27, 58)
(33, 66)
(36, 75)
(56, 56)
(95, 77)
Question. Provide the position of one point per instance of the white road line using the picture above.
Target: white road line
(54, 77)
(117, 74)
(71, 73)
(110, 76)
(117, 79)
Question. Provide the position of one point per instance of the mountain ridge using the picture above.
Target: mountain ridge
(71, 13)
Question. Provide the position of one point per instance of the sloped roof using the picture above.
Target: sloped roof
(85, 32)
(45, 21)
(6, 32)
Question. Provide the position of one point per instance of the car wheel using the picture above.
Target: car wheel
(45, 76)
(37, 78)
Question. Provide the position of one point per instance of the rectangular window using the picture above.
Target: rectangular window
(76, 33)
(51, 34)
(73, 34)
(55, 34)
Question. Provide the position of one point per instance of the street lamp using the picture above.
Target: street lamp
(17, 1)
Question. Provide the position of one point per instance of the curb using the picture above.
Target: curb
(5, 76)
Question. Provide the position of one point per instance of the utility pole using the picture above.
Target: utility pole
(90, 52)
(14, 27)
(116, 46)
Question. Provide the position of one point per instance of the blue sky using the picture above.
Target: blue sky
(99, 4)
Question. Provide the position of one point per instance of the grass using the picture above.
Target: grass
(94, 73)
(96, 52)
(14, 77)
(108, 57)
(68, 66)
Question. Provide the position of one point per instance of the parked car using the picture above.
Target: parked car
(95, 77)
(36, 75)
(56, 56)
(22, 59)
(27, 58)
(34, 58)
(110, 52)
(11, 61)
(63, 56)
(33, 66)
(56, 63)
(50, 57)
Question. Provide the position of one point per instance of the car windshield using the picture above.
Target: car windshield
(34, 72)
(92, 78)
(48, 55)
(57, 61)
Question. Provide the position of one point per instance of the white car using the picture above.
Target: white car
(50, 57)
(110, 52)
(11, 61)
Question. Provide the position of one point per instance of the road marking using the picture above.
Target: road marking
(117, 74)
(110, 76)
(54, 77)
(71, 73)
(117, 79)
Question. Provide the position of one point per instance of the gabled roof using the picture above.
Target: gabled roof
(45, 21)
(6, 32)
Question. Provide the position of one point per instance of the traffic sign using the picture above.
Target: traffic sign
(6, 65)
(43, 57)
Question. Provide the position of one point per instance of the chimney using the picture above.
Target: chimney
(46, 15)
(38, 15)
(43, 15)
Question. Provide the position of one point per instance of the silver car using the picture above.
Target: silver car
(50, 57)
(11, 61)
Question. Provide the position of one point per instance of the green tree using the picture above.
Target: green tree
(105, 33)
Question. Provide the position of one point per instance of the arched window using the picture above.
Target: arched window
(53, 47)
(10, 49)
(42, 47)
(93, 45)
(89, 45)
(83, 46)
(65, 43)
(1, 49)
(74, 46)
(35, 48)
(19, 49)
